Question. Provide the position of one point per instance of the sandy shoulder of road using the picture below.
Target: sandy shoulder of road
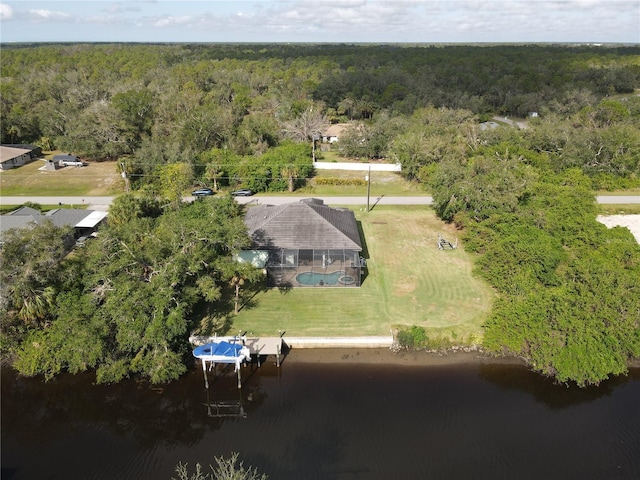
(632, 222)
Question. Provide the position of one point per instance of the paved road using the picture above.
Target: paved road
(258, 199)
(618, 199)
(102, 203)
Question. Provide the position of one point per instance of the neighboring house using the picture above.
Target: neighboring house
(12, 156)
(488, 125)
(307, 243)
(332, 134)
(84, 222)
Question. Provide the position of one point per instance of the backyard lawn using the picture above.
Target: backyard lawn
(409, 282)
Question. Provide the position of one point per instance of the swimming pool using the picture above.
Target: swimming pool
(314, 278)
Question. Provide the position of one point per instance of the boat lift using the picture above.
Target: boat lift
(222, 352)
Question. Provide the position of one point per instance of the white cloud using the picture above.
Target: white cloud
(6, 12)
(42, 14)
(344, 17)
(170, 21)
(122, 7)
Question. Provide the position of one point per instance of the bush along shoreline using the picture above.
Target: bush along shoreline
(417, 338)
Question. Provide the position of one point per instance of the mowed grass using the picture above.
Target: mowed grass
(629, 191)
(96, 179)
(409, 282)
(613, 209)
(382, 183)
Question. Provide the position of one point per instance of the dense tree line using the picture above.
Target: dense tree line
(568, 291)
(125, 303)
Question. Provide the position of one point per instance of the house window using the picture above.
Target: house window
(290, 258)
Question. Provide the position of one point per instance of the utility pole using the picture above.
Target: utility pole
(368, 187)
(314, 138)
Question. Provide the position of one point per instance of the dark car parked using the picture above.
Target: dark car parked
(243, 192)
(202, 192)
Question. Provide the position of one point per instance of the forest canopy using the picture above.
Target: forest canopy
(219, 107)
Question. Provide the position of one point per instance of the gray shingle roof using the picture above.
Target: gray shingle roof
(9, 153)
(307, 224)
(62, 217)
(27, 216)
(25, 211)
(19, 221)
(69, 157)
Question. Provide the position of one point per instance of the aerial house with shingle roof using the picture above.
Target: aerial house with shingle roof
(12, 156)
(309, 244)
(84, 222)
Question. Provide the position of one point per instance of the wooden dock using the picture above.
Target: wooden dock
(260, 346)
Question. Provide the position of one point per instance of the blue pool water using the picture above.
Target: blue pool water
(313, 278)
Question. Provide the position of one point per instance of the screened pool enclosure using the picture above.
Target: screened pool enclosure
(314, 268)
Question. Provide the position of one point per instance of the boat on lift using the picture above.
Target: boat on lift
(222, 352)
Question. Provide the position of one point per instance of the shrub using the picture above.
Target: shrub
(414, 337)
(225, 469)
(341, 181)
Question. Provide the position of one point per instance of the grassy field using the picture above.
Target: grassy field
(630, 191)
(409, 282)
(612, 209)
(382, 183)
(96, 179)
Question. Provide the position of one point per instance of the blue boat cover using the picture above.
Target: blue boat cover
(223, 349)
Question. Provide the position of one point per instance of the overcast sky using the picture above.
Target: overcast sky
(429, 21)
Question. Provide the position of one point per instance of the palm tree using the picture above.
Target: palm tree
(213, 172)
(36, 304)
(290, 172)
(237, 281)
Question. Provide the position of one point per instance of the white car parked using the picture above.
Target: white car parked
(74, 163)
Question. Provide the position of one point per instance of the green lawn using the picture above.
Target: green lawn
(96, 179)
(382, 183)
(613, 209)
(629, 191)
(409, 282)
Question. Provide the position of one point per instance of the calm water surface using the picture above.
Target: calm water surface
(312, 421)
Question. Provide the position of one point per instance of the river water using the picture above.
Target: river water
(326, 421)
